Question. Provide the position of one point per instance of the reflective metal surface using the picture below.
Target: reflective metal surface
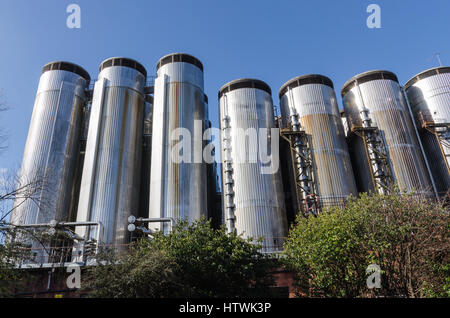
(51, 148)
(315, 107)
(344, 122)
(80, 161)
(144, 195)
(429, 96)
(253, 202)
(378, 95)
(178, 189)
(111, 173)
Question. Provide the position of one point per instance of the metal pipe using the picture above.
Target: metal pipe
(57, 224)
(300, 162)
(156, 220)
(145, 230)
(49, 279)
(61, 224)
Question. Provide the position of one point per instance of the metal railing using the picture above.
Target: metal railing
(66, 254)
(63, 256)
(137, 224)
(428, 120)
(54, 238)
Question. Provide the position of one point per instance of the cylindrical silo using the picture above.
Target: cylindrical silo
(429, 97)
(178, 174)
(47, 175)
(111, 173)
(51, 150)
(374, 100)
(309, 102)
(253, 197)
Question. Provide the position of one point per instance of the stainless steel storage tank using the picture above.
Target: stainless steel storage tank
(51, 149)
(309, 101)
(429, 97)
(376, 97)
(178, 180)
(111, 177)
(253, 198)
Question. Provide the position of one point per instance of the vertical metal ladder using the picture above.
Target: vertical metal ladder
(376, 153)
(302, 164)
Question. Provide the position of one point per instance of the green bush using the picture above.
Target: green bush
(406, 236)
(192, 261)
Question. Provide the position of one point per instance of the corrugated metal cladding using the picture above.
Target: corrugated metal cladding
(51, 149)
(111, 173)
(313, 100)
(380, 93)
(429, 97)
(178, 189)
(256, 199)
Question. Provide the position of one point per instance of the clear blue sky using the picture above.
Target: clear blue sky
(269, 40)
